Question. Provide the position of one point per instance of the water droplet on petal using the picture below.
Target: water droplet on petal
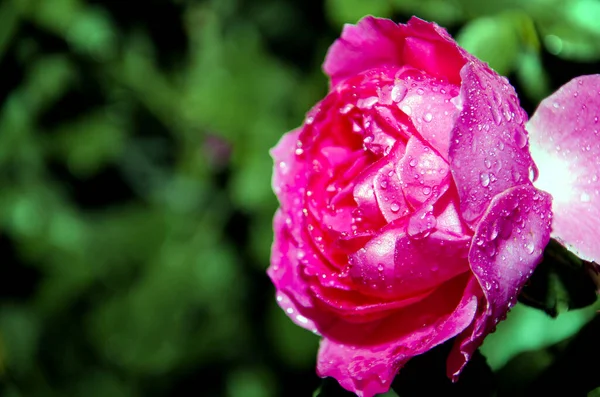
(346, 108)
(367, 103)
(585, 197)
(520, 137)
(398, 92)
(428, 117)
(394, 207)
(484, 178)
(529, 247)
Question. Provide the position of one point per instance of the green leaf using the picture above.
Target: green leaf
(594, 393)
(89, 143)
(494, 40)
(250, 382)
(561, 282)
(532, 76)
(576, 366)
(444, 12)
(528, 329)
(573, 31)
(19, 335)
(584, 15)
(350, 11)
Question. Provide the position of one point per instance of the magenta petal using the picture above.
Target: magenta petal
(488, 148)
(370, 43)
(289, 180)
(364, 358)
(293, 293)
(392, 263)
(507, 246)
(423, 172)
(565, 144)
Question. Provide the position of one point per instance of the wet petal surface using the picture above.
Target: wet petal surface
(507, 246)
(488, 148)
(565, 144)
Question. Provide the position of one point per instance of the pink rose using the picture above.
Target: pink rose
(407, 213)
(565, 136)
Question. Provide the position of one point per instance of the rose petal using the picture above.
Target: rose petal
(392, 263)
(507, 246)
(488, 149)
(375, 42)
(370, 43)
(354, 307)
(439, 58)
(364, 358)
(423, 172)
(431, 111)
(565, 144)
(283, 270)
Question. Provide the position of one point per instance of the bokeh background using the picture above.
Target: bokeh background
(135, 198)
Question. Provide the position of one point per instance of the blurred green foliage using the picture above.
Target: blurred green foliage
(135, 199)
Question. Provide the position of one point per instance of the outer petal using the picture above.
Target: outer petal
(488, 148)
(375, 42)
(365, 358)
(370, 43)
(289, 180)
(565, 144)
(292, 292)
(507, 246)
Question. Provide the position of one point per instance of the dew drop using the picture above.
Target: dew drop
(394, 207)
(428, 117)
(529, 247)
(585, 197)
(484, 178)
(398, 92)
(367, 103)
(346, 108)
(520, 138)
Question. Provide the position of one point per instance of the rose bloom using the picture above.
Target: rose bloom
(407, 211)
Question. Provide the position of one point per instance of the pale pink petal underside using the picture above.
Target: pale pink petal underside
(565, 144)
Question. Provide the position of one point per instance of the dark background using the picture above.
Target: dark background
(135, 199)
